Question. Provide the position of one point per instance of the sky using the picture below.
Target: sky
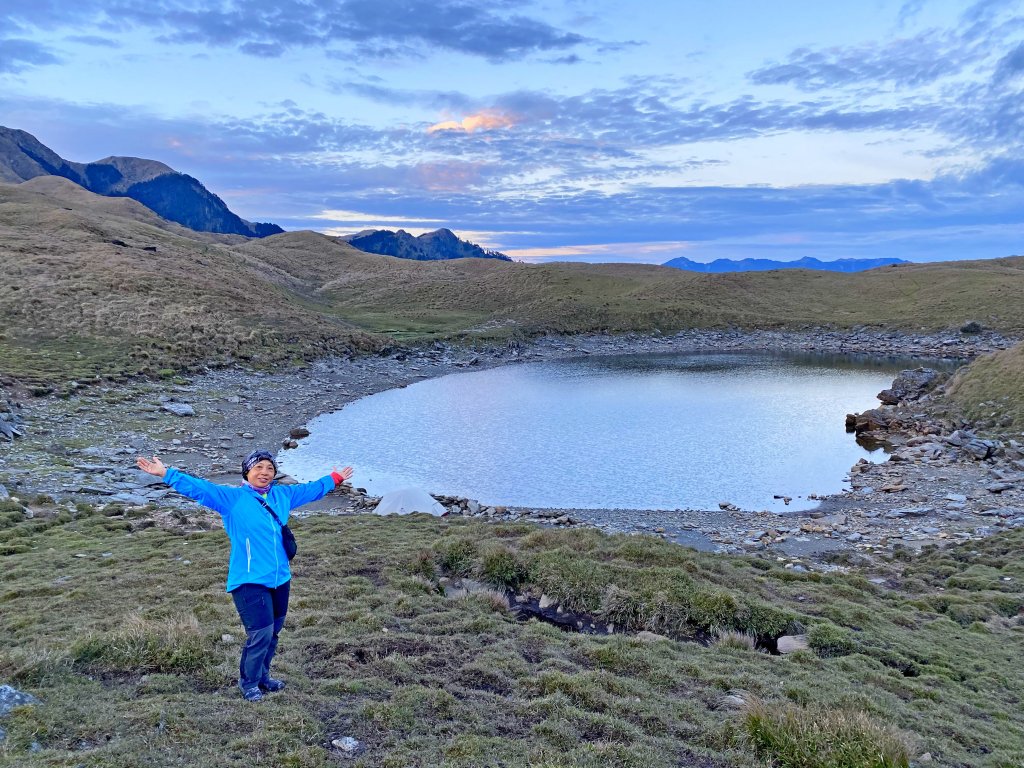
(581, 130)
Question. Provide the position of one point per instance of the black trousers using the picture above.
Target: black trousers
(262, 611)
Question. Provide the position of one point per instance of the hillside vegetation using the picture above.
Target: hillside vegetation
(96, 285)
(124, 633)
(991, 389)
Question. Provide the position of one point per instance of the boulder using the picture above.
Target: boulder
(179, 409)
(979, 449)
(871, 420)
(790, 643)
(11, 698)
(909, 385)
(9, 431)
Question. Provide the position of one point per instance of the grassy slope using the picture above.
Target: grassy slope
(77, 304)
(118, 630)
(991, 390)
(583, 297)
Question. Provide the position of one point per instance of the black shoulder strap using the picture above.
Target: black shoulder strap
(267, 507)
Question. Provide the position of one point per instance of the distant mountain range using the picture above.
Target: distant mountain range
(430, 246)
(763, 265)
(175, 196)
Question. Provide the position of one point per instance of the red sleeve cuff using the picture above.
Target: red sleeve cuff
(337, 479)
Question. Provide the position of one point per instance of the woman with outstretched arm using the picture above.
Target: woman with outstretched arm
(259, 578)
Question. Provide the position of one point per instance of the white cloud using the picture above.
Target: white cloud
(370, 220)
(639, 253)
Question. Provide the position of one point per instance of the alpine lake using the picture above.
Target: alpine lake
(631, 432)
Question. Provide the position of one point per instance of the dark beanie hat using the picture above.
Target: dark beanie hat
(255, 458)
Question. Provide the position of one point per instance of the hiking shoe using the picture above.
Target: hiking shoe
(270, 685)
(253, 694)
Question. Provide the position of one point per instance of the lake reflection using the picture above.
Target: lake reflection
(626, 432)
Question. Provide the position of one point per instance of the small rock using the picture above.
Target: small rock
(298, 433)
(130, 498)
(790, 643)
(999, 487)
(179, 409)
(346, 744)
(733, 701)
(546, 602)
(227, 638)
(12, 697)
(912, 512)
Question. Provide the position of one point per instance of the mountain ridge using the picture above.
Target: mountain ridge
(439, 245)
(721, 266)
(171, 194)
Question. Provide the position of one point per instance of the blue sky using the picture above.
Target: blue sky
(582, 130)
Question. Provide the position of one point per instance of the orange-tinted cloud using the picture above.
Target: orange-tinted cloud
(449, 177)
(485, 121)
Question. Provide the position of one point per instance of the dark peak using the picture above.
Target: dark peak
(173, 195)
(136, 168)
(438, 245)
(439, 234)
(17, 135)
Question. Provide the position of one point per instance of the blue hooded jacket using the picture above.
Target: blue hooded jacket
(257, 552)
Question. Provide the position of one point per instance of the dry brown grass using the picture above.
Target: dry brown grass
(76, 303)
(728, 638)
(991, 390)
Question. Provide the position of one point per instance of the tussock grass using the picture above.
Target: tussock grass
(173, 644)
(125, 651)
(731, 639)
(791, 736)
(494, 599)
(826, 639)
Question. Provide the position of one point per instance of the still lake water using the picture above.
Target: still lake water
(625, 432)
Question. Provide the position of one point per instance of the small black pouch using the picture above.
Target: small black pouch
(287, 537)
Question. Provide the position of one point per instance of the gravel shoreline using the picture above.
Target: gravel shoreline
(83, 447)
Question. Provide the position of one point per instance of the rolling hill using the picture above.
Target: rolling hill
(99, 285)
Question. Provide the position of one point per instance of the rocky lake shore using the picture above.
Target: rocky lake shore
(941, 482)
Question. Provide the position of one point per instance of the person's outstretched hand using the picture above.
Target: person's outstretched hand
(152, 466)
(344, 474)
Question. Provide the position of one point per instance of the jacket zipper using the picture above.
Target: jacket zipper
(274, 538)
(248, 556)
